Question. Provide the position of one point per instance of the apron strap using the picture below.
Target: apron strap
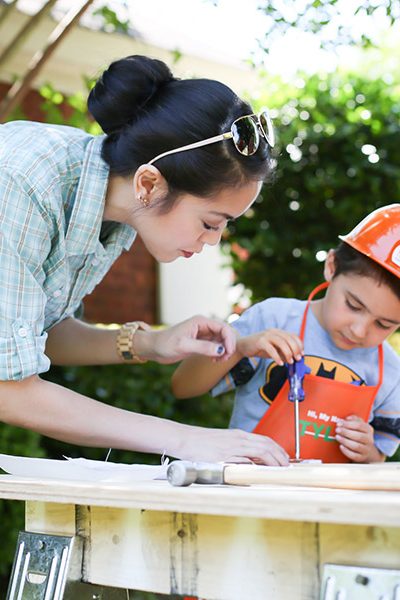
(314, 292)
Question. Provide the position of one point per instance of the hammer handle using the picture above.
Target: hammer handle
(340, 476)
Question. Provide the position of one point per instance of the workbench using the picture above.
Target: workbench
(215, 542)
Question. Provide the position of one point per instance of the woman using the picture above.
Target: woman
(176, 163)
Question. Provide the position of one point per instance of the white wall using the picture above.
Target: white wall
(198, 285)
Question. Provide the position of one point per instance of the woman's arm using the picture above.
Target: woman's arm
(73, 342)
(60, 413)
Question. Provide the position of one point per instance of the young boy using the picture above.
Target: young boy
(351, 410)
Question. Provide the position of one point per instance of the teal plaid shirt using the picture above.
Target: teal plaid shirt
(54, 246)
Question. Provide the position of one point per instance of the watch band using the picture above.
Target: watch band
(125, 345)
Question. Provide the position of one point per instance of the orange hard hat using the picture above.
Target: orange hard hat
(378, 237)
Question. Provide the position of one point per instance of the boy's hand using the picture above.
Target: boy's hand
(277, 344)
(356, 439)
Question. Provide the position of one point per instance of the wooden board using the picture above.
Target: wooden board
(260, 501)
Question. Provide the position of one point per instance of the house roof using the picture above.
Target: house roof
(87, 49)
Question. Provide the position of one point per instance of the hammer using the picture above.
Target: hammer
(311, 473)
(181, 473)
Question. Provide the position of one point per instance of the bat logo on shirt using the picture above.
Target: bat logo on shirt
(275, 375)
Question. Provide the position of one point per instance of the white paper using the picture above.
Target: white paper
(80, 469)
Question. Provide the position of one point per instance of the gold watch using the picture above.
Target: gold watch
(125, 347)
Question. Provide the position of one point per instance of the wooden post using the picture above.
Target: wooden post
(21, 36)
(19, 90)
(7, 9)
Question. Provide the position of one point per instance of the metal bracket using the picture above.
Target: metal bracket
(41, 566)
(344, 582)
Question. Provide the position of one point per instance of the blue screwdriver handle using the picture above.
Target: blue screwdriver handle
(296, 372)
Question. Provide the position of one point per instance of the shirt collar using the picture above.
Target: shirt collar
(83, 234)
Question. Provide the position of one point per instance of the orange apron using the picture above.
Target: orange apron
(325, 402)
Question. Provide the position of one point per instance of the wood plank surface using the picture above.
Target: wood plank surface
(264, 501)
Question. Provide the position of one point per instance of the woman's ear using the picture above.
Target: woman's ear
(330, 266)
(148, 183)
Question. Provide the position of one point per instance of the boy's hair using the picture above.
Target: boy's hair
(348, 260)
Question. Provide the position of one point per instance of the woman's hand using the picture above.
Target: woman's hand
(277, 344)
(198, 335)
(230, 445)
(356, 439)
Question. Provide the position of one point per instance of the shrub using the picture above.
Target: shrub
(338, 159)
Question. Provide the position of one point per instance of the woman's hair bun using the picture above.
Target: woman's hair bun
(124, 88)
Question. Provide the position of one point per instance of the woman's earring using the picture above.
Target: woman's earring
(143, 200)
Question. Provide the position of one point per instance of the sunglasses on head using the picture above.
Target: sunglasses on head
(245, 133)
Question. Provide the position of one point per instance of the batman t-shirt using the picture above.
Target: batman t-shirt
(257, 381)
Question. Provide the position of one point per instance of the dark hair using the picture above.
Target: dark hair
(145, 111)
(348, 260)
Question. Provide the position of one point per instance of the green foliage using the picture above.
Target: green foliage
(394, 341)
(68, 110)
(111, 21)
(336, 22)
(338, 159)
(176, 56)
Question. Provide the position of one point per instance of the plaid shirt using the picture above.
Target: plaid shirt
(54, 246)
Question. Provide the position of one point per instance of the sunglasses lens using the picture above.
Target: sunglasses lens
(245, 135)
(267, 128)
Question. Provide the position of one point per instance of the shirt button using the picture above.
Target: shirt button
(95, 262)
(57, 294)
(22, 332)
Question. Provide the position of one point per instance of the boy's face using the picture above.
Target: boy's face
(357, 311)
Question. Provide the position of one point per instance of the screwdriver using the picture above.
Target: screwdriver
(296, 372)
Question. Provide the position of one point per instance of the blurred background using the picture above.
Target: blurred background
(329, 72)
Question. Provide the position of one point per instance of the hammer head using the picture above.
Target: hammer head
(183, 473)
